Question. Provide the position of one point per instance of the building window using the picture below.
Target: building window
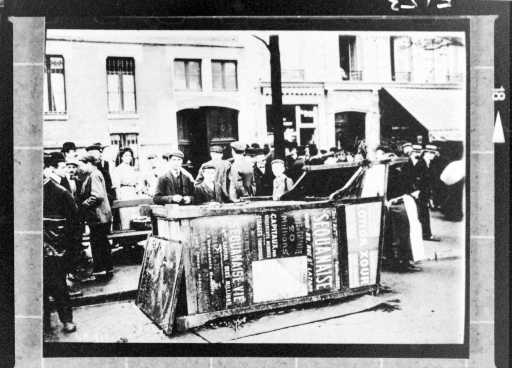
(401, 59)
(224, 75)
(187, 74)
(54, 86)
(121, 85)
(349, 58)
(130, 140)
(427, 59)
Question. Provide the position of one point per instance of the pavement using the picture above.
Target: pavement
(421, 307)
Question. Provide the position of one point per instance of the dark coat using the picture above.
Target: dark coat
(204, 194)
(263, 183)
(105, 171)
(93, 199)
(58, 203)
(241, 179)
(221, 176)
(294, 168)
(168, 186)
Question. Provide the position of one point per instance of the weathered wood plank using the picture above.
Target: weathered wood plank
(190, 277)
(131, 202)
(184, 323)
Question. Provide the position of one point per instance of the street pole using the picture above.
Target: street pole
(276, 114)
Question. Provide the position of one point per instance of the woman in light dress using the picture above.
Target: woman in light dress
(125, 180)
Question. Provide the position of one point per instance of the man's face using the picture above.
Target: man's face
(84, 168)
(71, 170)
(407, 150)
(429, 156)
(277, 169)
(379, 154)
(415, 155)
(216, 156)
(209, 175)
(70, 154)
(260, 161)
(96, 153)
(61, 169)
(175, 162)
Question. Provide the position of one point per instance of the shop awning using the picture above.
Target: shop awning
(441, 111)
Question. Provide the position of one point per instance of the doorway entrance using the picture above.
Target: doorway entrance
(200, 128)
(349, 129)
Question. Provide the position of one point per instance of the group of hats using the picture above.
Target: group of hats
(175, 153)
(253, 150)
(419, 147)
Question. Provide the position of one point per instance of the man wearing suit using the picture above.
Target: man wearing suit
(95, 209)
(417, 182)
(176, 185)
(241, 175)
(221, 166)
(210, 190)
(61, 244)
(55, 169)
(97, 149)
(71, 168)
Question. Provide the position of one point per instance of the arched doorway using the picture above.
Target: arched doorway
(349, 127)
(201, 127)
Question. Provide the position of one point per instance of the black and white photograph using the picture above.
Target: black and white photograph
(255, 187)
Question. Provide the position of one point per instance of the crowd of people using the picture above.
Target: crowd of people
(79, 190)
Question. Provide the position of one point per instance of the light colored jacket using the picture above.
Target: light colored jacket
(93, 199)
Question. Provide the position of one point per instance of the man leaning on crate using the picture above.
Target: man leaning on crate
(176, 185)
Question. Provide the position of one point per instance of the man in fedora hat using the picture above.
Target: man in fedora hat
(96, 149)
(241, 175)
(176, 185)
(221, 169)
(69, 150)
(61, 246)
(425, 185)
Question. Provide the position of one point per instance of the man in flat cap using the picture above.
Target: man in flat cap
(209, 190)
(282, 183)
(221, 169)
(95, 209)
(96, 149)
(241, 175)
(176, 185)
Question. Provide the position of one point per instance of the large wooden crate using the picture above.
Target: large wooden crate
(257, 256)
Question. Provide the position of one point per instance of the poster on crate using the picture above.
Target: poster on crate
(159, 281)
(223, 248)
(363, 224)
(279, 278)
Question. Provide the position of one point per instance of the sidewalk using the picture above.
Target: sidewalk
(422, 308)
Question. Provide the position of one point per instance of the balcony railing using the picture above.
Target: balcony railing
(356, 75)
(402, 77)
(353, 75)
